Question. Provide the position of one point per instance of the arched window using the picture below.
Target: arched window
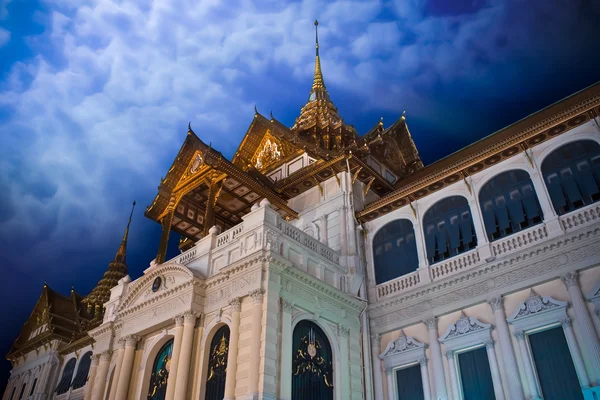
(448, 229)
(82, 371)
(217, 364)
(312, 365)
(65, 381)
(395, 251)
(572, 175)
(160, 372)
(509, 204)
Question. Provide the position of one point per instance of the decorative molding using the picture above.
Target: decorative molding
(343, 331)
(520, 335)
(489, 344)
(570, 279)
(189, 317)
(566, 322)
(431, 323)
(537, 311)
(235, 304)
(466, 332)
(422, 361)
(450, 355)
(257, 296)
(105, 356)
(288, 306)
(131, 340)
(376, 340)
(402, 351)
(95, 360)
(497, 303)
(179, 320)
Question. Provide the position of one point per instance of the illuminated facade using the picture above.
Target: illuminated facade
(320, 264)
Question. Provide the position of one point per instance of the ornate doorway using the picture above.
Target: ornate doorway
(217, 364)
(312, 363)
(160, 372)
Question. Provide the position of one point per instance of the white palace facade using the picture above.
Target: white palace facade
(321, 264)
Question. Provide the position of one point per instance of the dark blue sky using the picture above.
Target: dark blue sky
(95, 97)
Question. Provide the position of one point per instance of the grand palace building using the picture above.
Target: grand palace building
(319, 263)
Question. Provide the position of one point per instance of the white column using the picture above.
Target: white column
(534, 392)
(591, 343)
(575, 353)
(343, 231)
(436, 355)
(343, 333)
(425, 379)
(511, 370)
(496, 380)
(118, 363)
(256, 340)
(377, 375)
(185, 355)
(123, 375)
(389, 373)
(285, 379)
(478, 223)
(324, 236)
(234, 338)
(91, 377)
(172, 378)
(100, 381)
(453, 374)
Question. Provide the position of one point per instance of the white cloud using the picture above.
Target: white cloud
(4, 37)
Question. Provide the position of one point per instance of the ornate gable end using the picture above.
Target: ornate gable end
(196, 166)
(164, 281)
(271, 152)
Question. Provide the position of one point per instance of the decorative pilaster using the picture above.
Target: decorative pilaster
(91, 377)
(172, 379)
(285, 388)
(425, 378)
(185, 356)
(120, 349)
(534, 393)
(389, 373)
(101, 374)
(377, 368)
(589, 336)
(234, 338)
(343, 333)
(126, 366)
(436, 355)
(575, 353)
(324, 235)
(496, 379)
(343, 231)
(511, 370)
(256, 341)
(453, 374)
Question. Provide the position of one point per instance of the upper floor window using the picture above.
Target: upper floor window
(509, 204)
(82, 371)
(395, 251)
(572, 175)
(448, 229)
(65, 381)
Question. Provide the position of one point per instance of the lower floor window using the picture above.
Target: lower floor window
(475, 375)
(409, 385)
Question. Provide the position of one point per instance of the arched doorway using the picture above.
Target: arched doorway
(217, 364)
(312, 363)
(160, 372)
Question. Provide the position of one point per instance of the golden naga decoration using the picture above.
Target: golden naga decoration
(218, 359)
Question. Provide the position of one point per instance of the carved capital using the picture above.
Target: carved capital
(343, 331)
(236, 304)
(120, 344)
(288, 306)
(520, 335)
(388, 371)
(131, 340)
(95, 360)
(450, 354)
(257, 296)
(566, 322)
(178, 320)
(423, 361)
(570, 279)
(376, 339)
(497, 303)
(431, 323)
(105, 356)
(189, 317)
(489, 344)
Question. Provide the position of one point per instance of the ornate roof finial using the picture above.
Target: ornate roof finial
(318, 78)
(121, 254)
(271, 114)
(255, 109)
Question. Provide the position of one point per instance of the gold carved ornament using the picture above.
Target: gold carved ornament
(308, 360)
(218, 359)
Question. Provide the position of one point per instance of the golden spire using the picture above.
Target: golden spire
(318, 79)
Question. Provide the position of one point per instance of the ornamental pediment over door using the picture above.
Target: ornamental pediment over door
(270, 152)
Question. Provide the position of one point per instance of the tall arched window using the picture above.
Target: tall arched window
(82, 371)
(160, 372)
(312, 365)
(67, 375)
(509, 204)
(395, 251)
(448, 229)
(572, 175)
(217, 364)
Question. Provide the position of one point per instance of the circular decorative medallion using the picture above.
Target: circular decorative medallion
(312, 350)
(534, 304)
(196, 163)
(156, 284)
(463, 326)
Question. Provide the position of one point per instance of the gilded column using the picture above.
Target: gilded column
(234, 338)
(389, 374)
(285, 379)
(591, 343)
(511, 370)
(256, 340)
(171, 380)
(453, 374)
(441, 392)
(534, 392)
(101, 374)
(575, 353)
(425, 379)
(185, 355)
(113, 387)
(343, 333)
(377, 376)
(126, 366)
(496, 379)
